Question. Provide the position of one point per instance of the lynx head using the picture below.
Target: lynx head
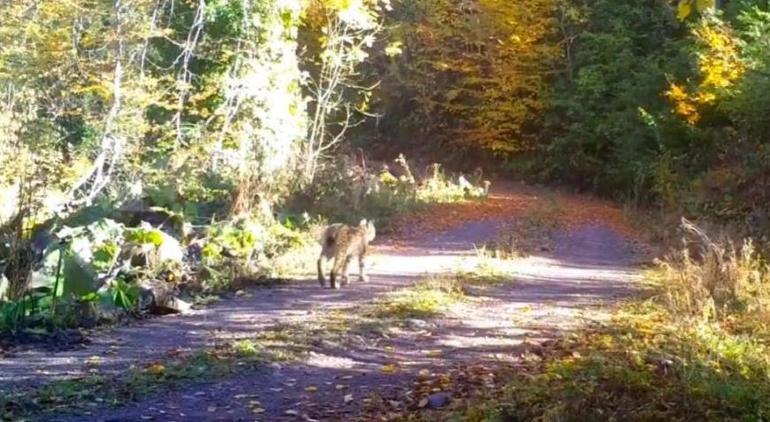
(368, 229)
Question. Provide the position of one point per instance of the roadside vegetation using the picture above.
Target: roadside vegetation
(694, 347)
(150, 166)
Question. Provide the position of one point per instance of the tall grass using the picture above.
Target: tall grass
(714, 279)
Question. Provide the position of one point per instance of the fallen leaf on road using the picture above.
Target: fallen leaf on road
(156, 369)
(388, 369)
(94, 361)
(348, 398)
(311, 389)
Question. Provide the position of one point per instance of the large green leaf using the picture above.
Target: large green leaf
(145, 235)
(684, 10)
(79, 278)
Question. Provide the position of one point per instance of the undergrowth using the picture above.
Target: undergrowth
(644, 365)
(346, 191)
(426, 298)
(696, 350)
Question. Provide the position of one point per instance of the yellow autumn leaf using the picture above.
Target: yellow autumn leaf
(340, 4)
(388, 369)
(676, 92)
(705, 98)
(705, 4)
(156, 369)
(311, 389)
(684, 10)
(94, 361)
(394, 49)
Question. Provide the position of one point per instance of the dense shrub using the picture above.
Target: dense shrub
(346, 191)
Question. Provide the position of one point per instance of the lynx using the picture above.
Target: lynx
(341, 242)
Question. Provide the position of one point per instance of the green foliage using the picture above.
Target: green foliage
(424, 299)
(240, 238)
(245, 348)
(651, 109)
(78, 278)
(12, 314)
(145, 236)
(125, 295)
(254, 247)
(749, 104)
(607, 123)
(92, 269)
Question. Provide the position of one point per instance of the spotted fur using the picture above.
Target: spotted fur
(341, 243)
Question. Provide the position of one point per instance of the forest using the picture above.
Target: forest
(587, 182)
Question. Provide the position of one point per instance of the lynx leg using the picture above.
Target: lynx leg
(362, 276)
(345, 271)
(333, 275)
(321, 278)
